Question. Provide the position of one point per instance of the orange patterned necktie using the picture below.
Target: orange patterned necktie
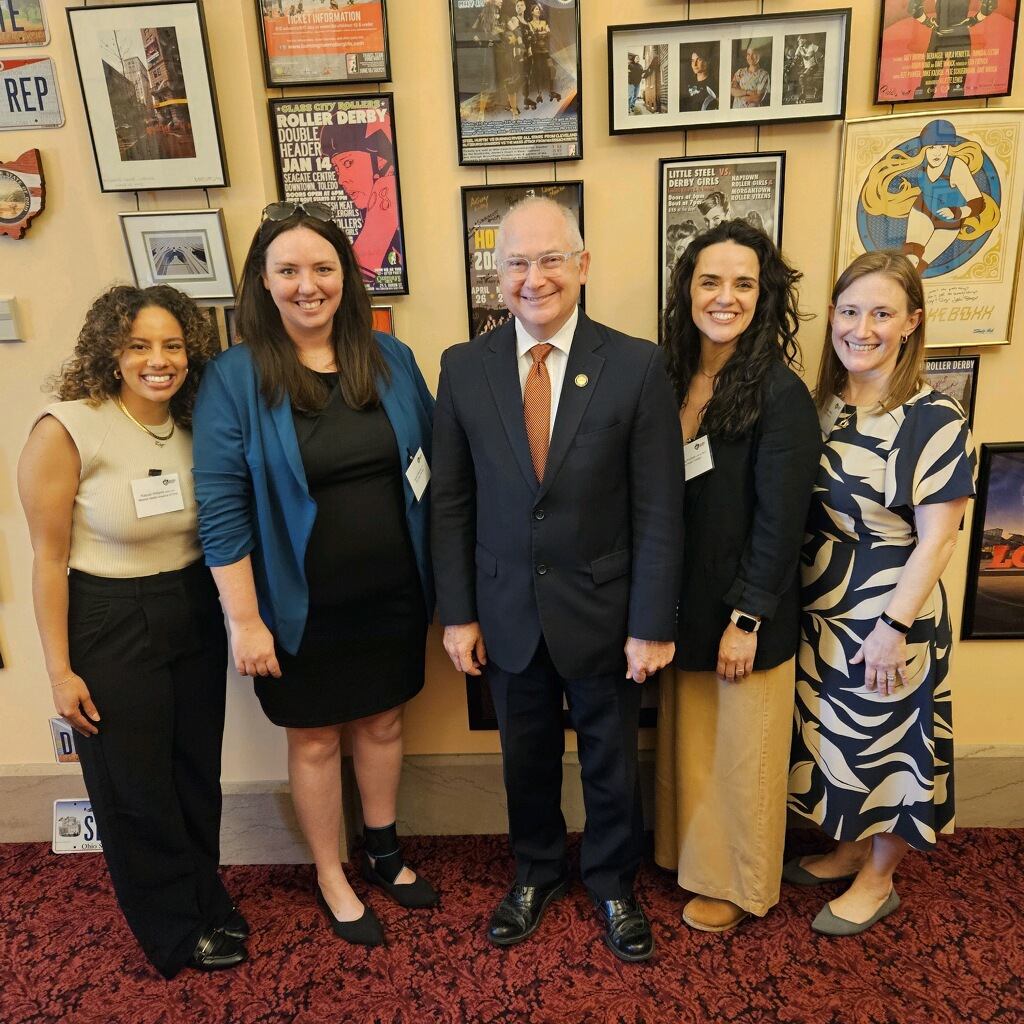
(537, 408)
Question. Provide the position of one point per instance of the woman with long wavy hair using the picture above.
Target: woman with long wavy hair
(751, 449)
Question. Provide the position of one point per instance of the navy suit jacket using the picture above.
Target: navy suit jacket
(593, 553)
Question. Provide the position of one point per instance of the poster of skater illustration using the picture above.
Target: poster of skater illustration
(945, 189)
(698, 193)
(945, 49)
(517, 80)
(483, 206)
(321, 42)
(341, 151)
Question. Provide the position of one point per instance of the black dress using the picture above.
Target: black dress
(362, 651)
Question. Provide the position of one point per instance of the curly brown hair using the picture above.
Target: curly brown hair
(89, 372)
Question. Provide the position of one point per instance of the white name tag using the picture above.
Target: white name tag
(418, 474)
(155, 495)
(697, 458)
(832, 414)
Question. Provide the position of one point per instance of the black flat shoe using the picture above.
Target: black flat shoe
(627, 930)
(236, 925)
(363, 931)
(416, 895)
(521, 911)
(216, 950)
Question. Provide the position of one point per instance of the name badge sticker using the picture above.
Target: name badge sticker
(418, 474)
(697, 458)
(157, 495)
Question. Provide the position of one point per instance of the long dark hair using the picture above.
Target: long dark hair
(356, 354)
(89, 372)
(735, 404)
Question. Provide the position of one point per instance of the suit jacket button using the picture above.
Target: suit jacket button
(541, 569)
(538, 513)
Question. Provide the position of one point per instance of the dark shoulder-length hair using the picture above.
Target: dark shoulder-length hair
(89, 372)
(360, 364)
(737, 397)
(906, 379)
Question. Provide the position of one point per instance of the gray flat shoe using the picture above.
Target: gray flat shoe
(796, 875)
(827, 923)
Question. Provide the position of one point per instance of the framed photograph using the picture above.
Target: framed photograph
(149, 97)
(698, 193)
(323, 43)
(517, 78)
(23, 24)
(383, 319)
(483, 206)
(342, 151)
(946, 189)
(185, 249)
(934, 50)
(956, 376)
(728, 71)
(994, 598)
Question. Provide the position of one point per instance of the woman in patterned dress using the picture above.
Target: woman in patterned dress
(872, 757)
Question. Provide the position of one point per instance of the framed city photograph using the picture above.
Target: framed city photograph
(956, 376)
(23, 24)
(994, 598)
(517, 71)
(186, 249)
(698, 193)
(149, 96)
(932, 50)
(321, 43)
(483, 206)
(728, 71)
(342, 151)
(945, 188)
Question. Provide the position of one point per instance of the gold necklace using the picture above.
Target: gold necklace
(159, 438)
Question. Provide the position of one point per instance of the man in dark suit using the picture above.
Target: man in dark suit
(557, 535)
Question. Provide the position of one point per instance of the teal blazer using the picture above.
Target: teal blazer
(251, 487)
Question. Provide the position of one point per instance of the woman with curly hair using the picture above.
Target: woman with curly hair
(751, 451)
(131, 627)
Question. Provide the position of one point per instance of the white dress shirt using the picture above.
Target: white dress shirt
(556, 361)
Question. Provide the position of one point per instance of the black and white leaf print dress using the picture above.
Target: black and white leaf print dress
(864, 763)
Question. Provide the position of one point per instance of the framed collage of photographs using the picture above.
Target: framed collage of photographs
(936, 50)
(728, 71)
(483, 206)
(994, 596)
(149, 96)
(341, 151)
(698, 193)
(946, 189)
(517, 74)
(186, 249)
(324, 45)
(956, 376)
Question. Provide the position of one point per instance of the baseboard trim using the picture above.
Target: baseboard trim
(448, 794)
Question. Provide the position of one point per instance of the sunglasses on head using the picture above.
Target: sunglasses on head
(282, 211)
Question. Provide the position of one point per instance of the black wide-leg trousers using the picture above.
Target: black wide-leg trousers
(153, 652)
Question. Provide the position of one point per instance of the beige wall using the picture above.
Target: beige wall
(74, 250)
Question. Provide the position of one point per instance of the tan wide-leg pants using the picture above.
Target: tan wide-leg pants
(720, 783)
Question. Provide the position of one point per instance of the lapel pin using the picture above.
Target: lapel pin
(582, 380)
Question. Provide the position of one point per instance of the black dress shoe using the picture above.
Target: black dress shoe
(521, 910)
(236, 926)
(217, 950)
(627, 930)
(363, 931)
(416, 894)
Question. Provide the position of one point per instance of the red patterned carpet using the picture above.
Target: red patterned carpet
(954, 951)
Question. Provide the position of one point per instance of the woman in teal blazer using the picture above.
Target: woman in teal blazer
(312, 448)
